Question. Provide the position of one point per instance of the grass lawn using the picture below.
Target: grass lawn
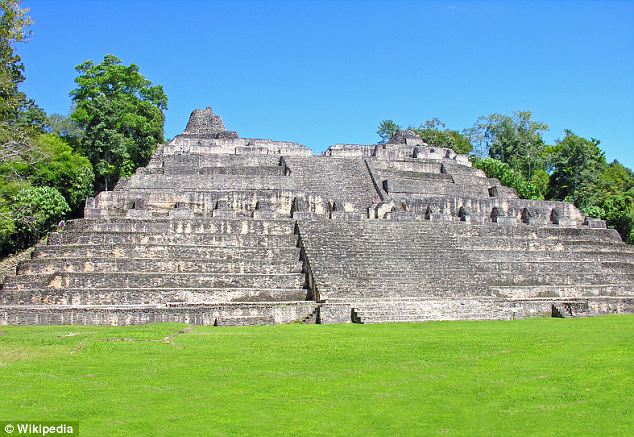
(529, 377)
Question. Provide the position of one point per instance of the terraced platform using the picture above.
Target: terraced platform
(223, 230)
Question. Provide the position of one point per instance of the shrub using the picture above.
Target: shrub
(35, 211)
(508, 177)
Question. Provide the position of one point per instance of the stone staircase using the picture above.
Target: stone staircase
(419, 270)
(131, 262)
(409, 310)
(418, 310)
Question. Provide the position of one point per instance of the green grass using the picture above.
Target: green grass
(531, 377)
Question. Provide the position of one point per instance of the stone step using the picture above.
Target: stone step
(472, 231)
(157, 295)
(563, 291)
(86, 265)
(154, 280)
(338, 290)
(350, 243)
(539, 245)
(448, 276)
(167, 251)
(501, 243)
(405, 313)
(385, 292)
(522, 232)
(211, 182)
(429, 259)
(423, 266)
(244, 321)
(356, 241)
(193, 314)
(240, 170)
(494, 255)
(524, 267)
(222, 160)
(616, 266)
(252, 240)
(181, 226)
(396, 319)
(529, 278)
(434, 310)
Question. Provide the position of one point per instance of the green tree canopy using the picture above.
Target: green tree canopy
(14, 24)
(508, 177)
(65, 128)
(433, 132)
(386, 130)
(52, 163)
(516, 140)
(578, 164)
(121, 114)
(68, 172)
(617, 178)
(18, 114)
(36, 210)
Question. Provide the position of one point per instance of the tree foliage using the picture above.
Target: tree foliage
(64, 127)
(386, 130)
(509, 177)
(515, 140)
(433, 132)
(68, 172)
(40, 175)
(611, 198)
(14, 24)
(17, 113)
(577, 166)
(121, 114)
(51, 163)
(35, 210)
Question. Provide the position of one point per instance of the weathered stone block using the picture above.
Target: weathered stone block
(138, 214)
(595, 223)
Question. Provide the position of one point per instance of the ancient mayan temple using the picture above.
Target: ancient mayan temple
(224, 230)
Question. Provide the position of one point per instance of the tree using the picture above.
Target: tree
(17, 112)
(508, 177)
(541, 181)
(121, 114)
(387, 129)
(611, 197)
(516, 140)
(14, 24)
(618, 210)
(617, 178)
(433, 132)
(36, 210)
(68, 172)
(50, 162)
(64, 127)
(578, 164)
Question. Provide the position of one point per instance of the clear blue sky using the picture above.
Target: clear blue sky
(329, 71)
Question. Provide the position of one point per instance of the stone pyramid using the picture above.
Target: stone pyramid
(224, 230)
